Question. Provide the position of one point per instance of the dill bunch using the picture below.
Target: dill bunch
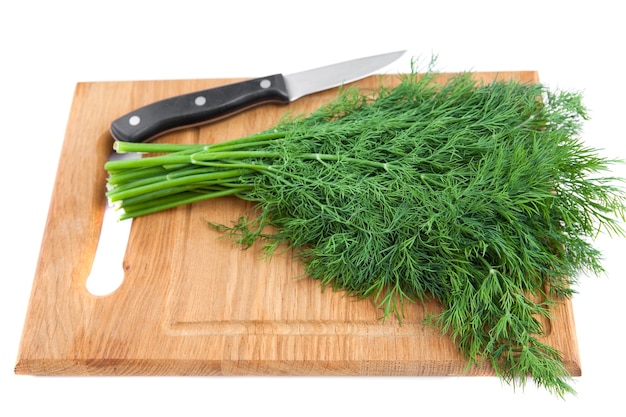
(480, 195)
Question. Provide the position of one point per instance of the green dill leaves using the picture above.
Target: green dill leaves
(480, 195)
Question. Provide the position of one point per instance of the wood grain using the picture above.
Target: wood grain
(192, 303)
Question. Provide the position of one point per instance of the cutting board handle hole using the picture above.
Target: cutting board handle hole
(107, 270)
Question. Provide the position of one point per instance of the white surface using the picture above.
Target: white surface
(49, 46)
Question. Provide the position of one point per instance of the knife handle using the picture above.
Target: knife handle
(148, 122)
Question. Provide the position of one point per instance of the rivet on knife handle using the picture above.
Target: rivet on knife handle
(148, 122)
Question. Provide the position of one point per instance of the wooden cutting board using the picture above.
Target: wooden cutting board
(191, 303)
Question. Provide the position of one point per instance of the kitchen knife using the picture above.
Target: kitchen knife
(148, 122)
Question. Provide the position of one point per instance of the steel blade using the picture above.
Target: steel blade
(311, 81)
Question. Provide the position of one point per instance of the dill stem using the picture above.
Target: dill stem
(124, 147)
(141, 147)
(252, 140)
(358, 161)
(153, 161)
(176, 201)
(128, 176)
(210, 155)
(213, 177)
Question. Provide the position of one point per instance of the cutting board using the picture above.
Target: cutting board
(191, 302)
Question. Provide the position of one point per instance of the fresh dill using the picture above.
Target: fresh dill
(481, 195)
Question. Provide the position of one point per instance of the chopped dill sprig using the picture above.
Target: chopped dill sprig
(481, 195)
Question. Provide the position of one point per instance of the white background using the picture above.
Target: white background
(49, 46)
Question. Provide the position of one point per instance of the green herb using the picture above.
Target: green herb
(480, 195)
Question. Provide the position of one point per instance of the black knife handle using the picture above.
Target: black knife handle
(146, 123)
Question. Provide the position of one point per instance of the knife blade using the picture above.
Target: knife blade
(153, 120)
(148, 122)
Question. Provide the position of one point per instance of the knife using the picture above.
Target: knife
(148, 122)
